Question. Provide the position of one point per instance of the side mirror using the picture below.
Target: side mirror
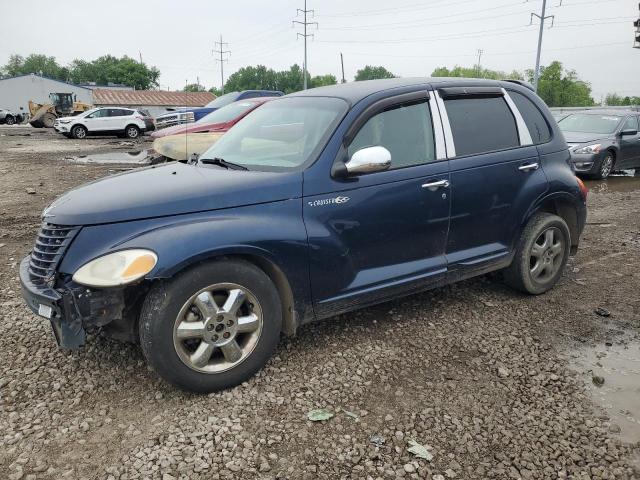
(368, 160)
(629, 131)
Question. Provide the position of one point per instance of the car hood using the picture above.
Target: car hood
(581, 137)
(170, 189)
(188, 128)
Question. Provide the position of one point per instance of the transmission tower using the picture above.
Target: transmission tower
(220, 46)
(304, 35)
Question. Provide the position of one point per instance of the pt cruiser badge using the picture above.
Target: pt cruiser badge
(329, 201)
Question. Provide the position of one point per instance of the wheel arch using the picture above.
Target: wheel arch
(260, 259)
(564, 206)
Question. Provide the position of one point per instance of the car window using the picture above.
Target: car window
(99, 113)
(481, 125)
(630, 124)
(405, 130)
(223, 100)
(590, 123)
(536, 123)
(115, 112)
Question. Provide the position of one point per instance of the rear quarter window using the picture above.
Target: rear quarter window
(481, 125)
(533, 117)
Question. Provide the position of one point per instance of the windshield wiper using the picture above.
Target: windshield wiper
(223, 163)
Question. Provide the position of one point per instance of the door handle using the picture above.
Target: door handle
(527, 167)
(433, 186)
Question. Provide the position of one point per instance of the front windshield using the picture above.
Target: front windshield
(228, 113)
(281, 134)
(589, 123)
(223, 100)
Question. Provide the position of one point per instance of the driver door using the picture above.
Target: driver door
(382, 234)
(629, 145)
(97, 121)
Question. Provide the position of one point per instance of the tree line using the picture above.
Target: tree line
(558, 86)
(103, 70)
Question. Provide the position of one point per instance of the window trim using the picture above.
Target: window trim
(395, 101)
(487, 92)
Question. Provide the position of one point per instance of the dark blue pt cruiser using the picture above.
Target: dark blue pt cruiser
(317, 203)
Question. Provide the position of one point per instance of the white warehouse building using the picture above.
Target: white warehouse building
(15, 92)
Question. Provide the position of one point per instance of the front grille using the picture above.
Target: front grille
(51, 244)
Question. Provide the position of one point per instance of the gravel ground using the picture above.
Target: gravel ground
(479, 375)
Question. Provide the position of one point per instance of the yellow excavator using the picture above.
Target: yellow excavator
(61, 105)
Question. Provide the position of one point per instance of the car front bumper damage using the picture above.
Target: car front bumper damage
(73, 309)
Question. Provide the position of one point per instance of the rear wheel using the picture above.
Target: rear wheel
(9, 120)
(541, 254)
(132, 131)
(79, 132)
(212, 327)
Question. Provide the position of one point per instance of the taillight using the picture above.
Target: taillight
(583, 189)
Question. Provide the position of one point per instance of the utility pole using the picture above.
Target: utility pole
(542, 17)
(342, 63)
(139, 52)
(636, 42)
(222, 52)
(480, 52)
(305, 35)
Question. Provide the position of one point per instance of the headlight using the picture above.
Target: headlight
(64, 121)
(116, 269)
(589, 149)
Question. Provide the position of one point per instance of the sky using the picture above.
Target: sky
(408, 37)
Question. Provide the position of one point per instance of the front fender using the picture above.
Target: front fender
(273, 232)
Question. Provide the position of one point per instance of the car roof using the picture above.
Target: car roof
(353, 92)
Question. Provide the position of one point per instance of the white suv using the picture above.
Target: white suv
(105, 121)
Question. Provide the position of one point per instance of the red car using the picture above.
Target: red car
(219, 120)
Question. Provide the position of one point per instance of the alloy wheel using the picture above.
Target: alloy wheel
(607, 165)
(546, 255)
(79, 132)
(218, 328)
(132, 132)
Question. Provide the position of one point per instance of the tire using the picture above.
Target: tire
(131, 131)
(79, 132)
(605, 166)
(537, 271)
(9, 120)
(48, 119)
(203, 360)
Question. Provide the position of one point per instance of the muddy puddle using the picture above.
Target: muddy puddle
(138, 157)
(619, 396)
(624, 181)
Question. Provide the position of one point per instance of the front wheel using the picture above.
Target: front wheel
(10, 120)
(79, 132)
(541, 255)
(212, 327)
(606, 166)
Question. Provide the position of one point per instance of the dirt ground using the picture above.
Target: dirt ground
(493, 383)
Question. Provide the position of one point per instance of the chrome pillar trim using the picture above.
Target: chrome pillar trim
(523, 130)
(446, 126)
(438, 133)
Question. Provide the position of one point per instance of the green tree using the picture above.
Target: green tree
(194, 87)
(216, 91)
(108, 68)
(35, 63)
(474, 72)
(373, 73)
(322, 80)
(615, 100)
(559, 87)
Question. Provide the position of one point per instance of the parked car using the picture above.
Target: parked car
(603, 141)
(9, 117)
(219, 120)
(317, 203)
(122, 122)
(183, 147)
(189, 115)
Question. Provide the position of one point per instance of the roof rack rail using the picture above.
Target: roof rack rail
(520, 82)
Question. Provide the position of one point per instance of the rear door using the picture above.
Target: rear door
(629, 145)
(118, 118)
(495, 175)
(377, 235)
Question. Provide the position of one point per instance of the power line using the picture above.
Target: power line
(542, 17)
(221, 50)
(305, 35)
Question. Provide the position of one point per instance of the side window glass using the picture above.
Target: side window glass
(481, 125)
(405, 130)
(630, 124)
(533, 117)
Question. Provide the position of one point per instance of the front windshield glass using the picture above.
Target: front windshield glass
(223, 100)
(589, 123)
(281, 134)
(228, 113)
